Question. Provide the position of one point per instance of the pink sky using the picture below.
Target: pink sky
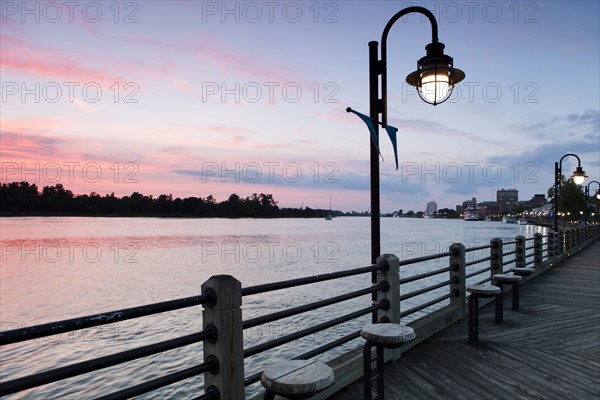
(191, 104)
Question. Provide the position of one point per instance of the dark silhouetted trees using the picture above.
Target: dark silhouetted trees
(21, 198)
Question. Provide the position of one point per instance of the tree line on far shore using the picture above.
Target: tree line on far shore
(21, 198)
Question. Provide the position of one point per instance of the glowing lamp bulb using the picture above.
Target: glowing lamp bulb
(435, 88)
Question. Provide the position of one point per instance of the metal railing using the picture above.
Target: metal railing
(80, 368)
(440, 292)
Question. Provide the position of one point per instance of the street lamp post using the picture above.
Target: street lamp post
(578, 178)
(434, 79)
(587, 197)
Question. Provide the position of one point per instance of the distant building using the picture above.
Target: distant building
(431, 207)
(489, 209)
(537, 200)
(469, 204)
(507, 198)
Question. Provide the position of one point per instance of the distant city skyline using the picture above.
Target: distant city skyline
(214, 98)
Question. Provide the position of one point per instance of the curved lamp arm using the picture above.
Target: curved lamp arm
(578, 175)
(570, 154)
(587, 188)
(383, 65)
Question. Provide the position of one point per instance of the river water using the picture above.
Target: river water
(55, 268)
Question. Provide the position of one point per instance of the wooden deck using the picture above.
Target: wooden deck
(548, 349)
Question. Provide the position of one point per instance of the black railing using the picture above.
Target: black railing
(80, 368)
(545, 251)
(268, 318)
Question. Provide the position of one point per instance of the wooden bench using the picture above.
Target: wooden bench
(478, 291)
(381, 336)
(522, 271)
(296, 379)
(506, 279)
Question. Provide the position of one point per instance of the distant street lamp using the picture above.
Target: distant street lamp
(578, 178)
(434, 79)
(587, 197)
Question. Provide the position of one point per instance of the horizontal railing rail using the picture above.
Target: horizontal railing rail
(91, 321)
(424, 275)
(430, 303)
(80, 368)
(382, 286)
(269, 287)
(309, 331)
(438, 291)
(425, 290)
(425, 258)
(311, 306)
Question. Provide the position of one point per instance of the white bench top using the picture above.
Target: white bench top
(388, 333)
(507, 278)
(485, 290)
(297, 377)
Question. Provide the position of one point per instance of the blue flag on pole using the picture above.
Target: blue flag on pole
(391, 131)
(367, 120)
(392, 134)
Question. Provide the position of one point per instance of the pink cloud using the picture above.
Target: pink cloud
(225, 57)
(30, 125)
(36, 151)
(340, 115)
(38, 61)
(236, 61)
(274, 146)
(182, 85)
(221, 129)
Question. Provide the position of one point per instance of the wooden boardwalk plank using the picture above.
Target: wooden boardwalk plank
(548, 350)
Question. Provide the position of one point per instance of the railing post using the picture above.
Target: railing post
(225, 315)
(457, 276)
(392, 277)
(496, 254)
(520, 251)
(573, 241)
(560, 245)
(538, 247)
(590, 233)
(552, 249)
(568, 241)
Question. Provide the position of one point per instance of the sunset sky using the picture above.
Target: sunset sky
(196, 98)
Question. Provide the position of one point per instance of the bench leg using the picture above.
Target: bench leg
(269, 395)
(515, 299)
(367, 386)
(499, 305)
(380, 383)
(473, 319)
(367, 374)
